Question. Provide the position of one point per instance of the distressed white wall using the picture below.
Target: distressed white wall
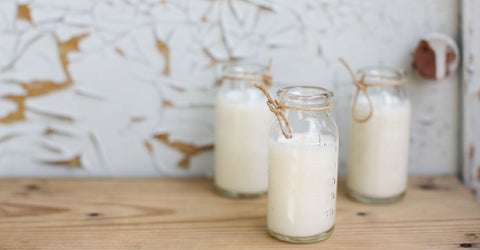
(471, 94)
(125, 88)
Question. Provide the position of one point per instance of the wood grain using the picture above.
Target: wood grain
(438, 212)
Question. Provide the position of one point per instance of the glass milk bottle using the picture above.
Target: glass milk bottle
(379, 139)
(303, 169)
(241, 133)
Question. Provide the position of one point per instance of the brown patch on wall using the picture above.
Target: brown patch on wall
(213, 60)
(163, 48)
(18, 114)
(67, 47)
(471, 153)
(149, 146)
(23, 12)
(138, 119)
(233, 59)
(36, 88)
(265, 8)
(120, 51)
(219, 82)
(52, 131)
(176, 88)
(478, 94)
(167, 103)
(75, 162)
(189, 150)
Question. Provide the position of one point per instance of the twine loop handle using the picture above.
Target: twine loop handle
(276, 109)
(362, 87)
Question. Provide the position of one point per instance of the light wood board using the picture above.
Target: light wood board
(438, 212)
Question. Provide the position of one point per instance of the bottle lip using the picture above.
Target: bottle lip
(241, 69)
(305, 96)
(383, 74)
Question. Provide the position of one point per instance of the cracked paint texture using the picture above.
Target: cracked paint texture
(471, 95)
(126, 88)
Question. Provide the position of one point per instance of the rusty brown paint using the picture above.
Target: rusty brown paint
(167, 103)
(36, 88)
(219, 82)
(179, 89)
(149, 146)
(18, 114)
(23, 12)
(213, 60)
(120, 51)
(478, 94)
(163, 48)
(51, 131)
(75, 162)
(138, 119)
(189, 150)
(233, 59)
(471, 153)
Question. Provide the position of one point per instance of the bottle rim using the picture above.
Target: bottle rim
(242, 69)
(305, 96)
(380, 74)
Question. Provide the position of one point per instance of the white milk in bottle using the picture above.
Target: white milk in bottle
(241, 135)
(303, 173)
(379, 146)
(303, 168)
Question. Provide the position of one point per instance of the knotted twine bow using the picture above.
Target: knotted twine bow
(266, 77)
(276, 108)
(362, 86)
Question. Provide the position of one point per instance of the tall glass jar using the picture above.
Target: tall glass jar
(241, 133)
(379, 145)
(303, 169)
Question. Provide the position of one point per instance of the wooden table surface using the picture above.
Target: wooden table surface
(438, 212)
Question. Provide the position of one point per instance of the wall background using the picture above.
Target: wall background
(126, 88)
(471, 94)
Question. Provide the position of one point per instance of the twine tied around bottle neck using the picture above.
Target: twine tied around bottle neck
(266, 77)
(277, 109)
(362, 87)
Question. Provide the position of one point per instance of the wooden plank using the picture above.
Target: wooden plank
(438, 212)
(471, 94)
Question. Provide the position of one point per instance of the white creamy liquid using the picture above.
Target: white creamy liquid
(242, 134)
(302, 185)
(378, 155)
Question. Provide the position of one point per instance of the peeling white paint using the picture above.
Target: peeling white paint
(11, 90)
(39, 62)
(7, 107)
(471, 95)
(7, 15)
(122, 96)
(53, 111)
(88, 92)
